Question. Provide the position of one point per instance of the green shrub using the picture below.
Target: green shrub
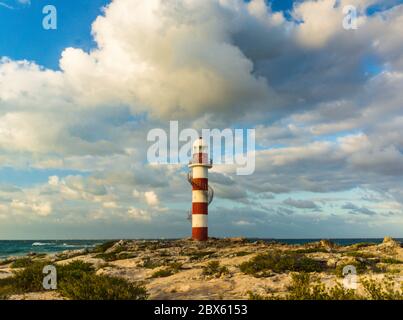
(213, 268)
(162, 273)
(7, 288)
(168, 271)
(363, 244)
(307, 250)
(21, 263)
(358, 254)
(242, 253)
(280, 262)
(256, 296)
(384, 290)
(116, 255)
(302, 288)
(77, 280)
(198, 255)
(362, 266)
(90, 286)
(30, 278)
(391, 261)
(151, 264)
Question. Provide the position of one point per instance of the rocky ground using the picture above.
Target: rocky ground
(219, 269)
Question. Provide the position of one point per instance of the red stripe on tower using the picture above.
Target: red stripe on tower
(199, 179)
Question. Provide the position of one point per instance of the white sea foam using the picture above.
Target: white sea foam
(42, 244)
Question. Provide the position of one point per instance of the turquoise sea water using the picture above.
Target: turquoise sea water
(23, 247)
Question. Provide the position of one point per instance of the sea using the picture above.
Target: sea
(23, 247)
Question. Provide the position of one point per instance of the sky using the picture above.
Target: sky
(76, 104)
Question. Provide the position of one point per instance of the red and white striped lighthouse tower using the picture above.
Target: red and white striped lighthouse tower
(202, 193)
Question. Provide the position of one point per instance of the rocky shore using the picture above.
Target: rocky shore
(232, 268)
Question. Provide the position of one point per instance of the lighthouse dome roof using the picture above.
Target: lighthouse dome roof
(199, 145)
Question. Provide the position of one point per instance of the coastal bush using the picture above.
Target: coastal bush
(113, 256)
(65, 256)
(358, 254)
(89, 286)
(256, 296)
(391, 261)
(303, 288)
(198, 255)
(242, 253)
(7, 288)
(362, 266)
(168, 271)
(76, 280)
(21, 263)
(151, 263)
(280, 262)
(307, 250)
(213, 268)
(384, 290)
(362, 244)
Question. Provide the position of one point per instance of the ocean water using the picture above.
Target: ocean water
(22, 247)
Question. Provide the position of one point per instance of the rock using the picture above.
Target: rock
(118, 245)
(389, 241)
(331, 263)
(327, 244)
(237, 239)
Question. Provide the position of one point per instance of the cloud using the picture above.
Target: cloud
(358, 210)
(300, 204)
(325, 102)
(151, 198)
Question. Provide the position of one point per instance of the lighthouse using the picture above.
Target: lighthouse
(202, 193)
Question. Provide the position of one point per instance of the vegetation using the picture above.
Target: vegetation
(76, 280)
(6, 288)
(116, 255)
(304, 287)
(362, 266)
(363, 244)
(162, 273)
(391, 261)
(152, 263)
(168, 271)
(358, 254)
(385, 290)
(276, 261)
(213, 268)
(89, 286)
(199, 255)
(21, 263)
(308, 250)
(242, 253)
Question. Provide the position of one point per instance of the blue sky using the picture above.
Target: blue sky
(22, 35)
(324, 102)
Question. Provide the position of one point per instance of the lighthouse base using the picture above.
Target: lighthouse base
(200, 234)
